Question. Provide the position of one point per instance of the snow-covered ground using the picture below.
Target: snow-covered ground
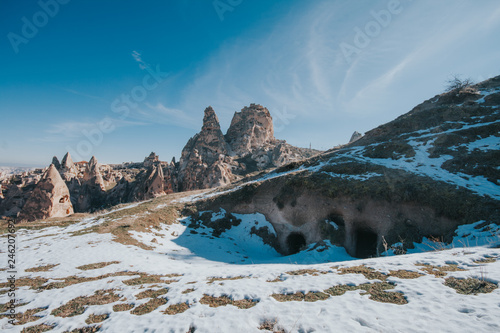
(195, 257)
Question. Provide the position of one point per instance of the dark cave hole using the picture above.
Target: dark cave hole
(295, 242)
(366, 244)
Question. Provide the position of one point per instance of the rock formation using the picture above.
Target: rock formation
(250, 129)
(209, 159)
(68, 169)
(91, 193)
(355, 136)
(50, 198)
(202, 164)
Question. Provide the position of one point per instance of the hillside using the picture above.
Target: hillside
(396, 231)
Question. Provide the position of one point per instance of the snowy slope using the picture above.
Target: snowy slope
(196, 258)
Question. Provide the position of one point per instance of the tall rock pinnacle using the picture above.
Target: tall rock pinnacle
(250, 129)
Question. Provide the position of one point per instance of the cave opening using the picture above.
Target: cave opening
(295, 242)
(366, 244)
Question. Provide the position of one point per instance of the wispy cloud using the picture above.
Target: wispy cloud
(159, 113)
(138, 57)
(70, 130)
(79, 93)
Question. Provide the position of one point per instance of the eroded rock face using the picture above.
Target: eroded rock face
(202, 163)
(355, 136)
(250, 129)
(92, 189)
(68, 169)
(50, 198)
(155, 183)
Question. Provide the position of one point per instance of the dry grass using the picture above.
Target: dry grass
(151, 293)
(439, 271)
(213, 279)
(149, 306)
(368, 272)
(313, 272)
(377, 292)
(25, 317)
(340, 290)
(176, 308)
(278, 279)
(78, 305)
(314, 296)
(403, 274)
(298, 296)
(123, 307)
(34, 282)
(93, 319)
(86, 329)
(470, 286)
(45, 268)
(38, 328)
(187, 291)
(486, 260)
(215, 302)
(97, 265)
(71, 280)
(271, 325)
(148, 279)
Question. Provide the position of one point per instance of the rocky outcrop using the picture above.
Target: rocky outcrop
(68, 169)
(50, 198)
(151, 159)
(92, 189)
(355, 136)
(203, 163)
(209, 159)
(250, 129)
(56, 163)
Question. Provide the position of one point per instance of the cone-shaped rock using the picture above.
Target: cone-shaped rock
(56, 163)
(68, 169)
(50, 198)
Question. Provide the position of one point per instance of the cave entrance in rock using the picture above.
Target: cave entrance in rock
(366, 243)
(295, 242)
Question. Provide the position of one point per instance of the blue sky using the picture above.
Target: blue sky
(323, 68)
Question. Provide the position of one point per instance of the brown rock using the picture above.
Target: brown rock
(68, 169)
(50, 198)
(250, 129)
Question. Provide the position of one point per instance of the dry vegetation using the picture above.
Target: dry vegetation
(213, 279)
(223, 300)
(38, 328)
(151, 293)
(93, 319)
(148, 279)
(176, 308)
(45, 268)
(368, 272)
(313, 272)
(97, 265)
(404, 274)
(25, 317)
(78, 305)
(377, 292)
(470, 286)
(149, 306)
(439, 271)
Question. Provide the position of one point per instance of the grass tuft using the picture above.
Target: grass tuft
(176, 308)
(470, 286)
(41, 268)
(97, 265)
(149, 306)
